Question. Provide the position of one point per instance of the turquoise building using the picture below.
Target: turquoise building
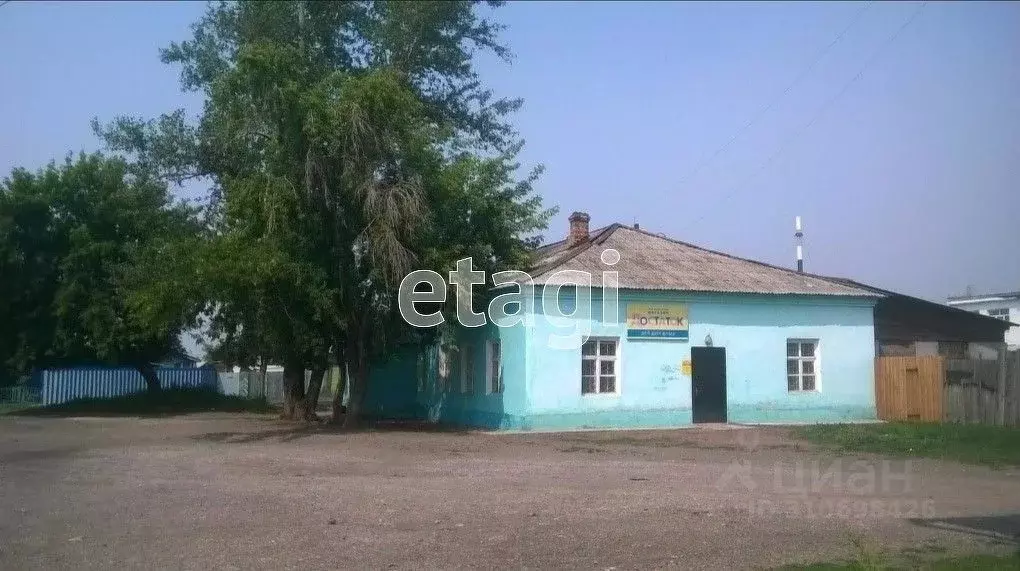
(693, 335)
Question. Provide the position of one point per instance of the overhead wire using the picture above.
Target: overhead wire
(772, 103)
(820, 112)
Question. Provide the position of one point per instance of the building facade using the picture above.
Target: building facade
(1004, 306)
(693, 336)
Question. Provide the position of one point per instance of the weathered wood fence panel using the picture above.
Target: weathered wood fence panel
(934, 389)
(1011, 410)
(909, 388)
(984, 391)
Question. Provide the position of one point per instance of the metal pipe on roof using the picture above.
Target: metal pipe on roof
(800, 244)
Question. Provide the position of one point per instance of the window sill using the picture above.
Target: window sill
(811, 392)
(600, 395)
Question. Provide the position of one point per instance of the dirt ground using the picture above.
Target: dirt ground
(245, 492)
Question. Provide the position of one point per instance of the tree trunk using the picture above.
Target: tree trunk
(353, 415)
(149, 374)
(358, 381)
(338, 393)
(298, 387)
(314, 388)
(263, 367)
(293, 388)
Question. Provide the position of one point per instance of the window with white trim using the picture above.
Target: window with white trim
(467, 370)
(493, 368)
(599, 370)
(802, 365)
(1000, 313)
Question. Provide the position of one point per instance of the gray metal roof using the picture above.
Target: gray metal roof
(1004, 296)
(930, 307)
(654, 262)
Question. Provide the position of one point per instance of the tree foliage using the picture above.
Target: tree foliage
(348, 143)
(84, 248)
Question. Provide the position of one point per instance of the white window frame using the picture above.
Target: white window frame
(800, 358)
(467, 370)
(598, 358)
(493, 362)
(999, 313)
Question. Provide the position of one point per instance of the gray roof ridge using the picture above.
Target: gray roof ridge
(559, 242)
(600, 236)
(607, 231)
(731, 256)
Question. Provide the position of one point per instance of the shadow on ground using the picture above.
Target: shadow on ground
(672, 440)
(58, 453)
(1003, 528)
(159, 404)
(43, 412)
(299, 431)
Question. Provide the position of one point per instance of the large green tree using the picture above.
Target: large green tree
(348, 143)
(29, 279)
(84, 249)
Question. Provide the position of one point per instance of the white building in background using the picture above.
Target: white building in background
(1004, 306)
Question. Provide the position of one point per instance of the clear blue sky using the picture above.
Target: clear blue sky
(906, 181)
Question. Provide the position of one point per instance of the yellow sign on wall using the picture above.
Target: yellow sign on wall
(657, 320)
(685, 367)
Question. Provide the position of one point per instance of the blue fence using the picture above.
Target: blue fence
(63, 385)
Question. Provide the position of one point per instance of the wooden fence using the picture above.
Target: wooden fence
(934, 389)
(909, 388)
(986, 392)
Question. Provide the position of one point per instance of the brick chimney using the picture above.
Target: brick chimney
(578, 229)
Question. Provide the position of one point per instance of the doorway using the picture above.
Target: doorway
(708, 384)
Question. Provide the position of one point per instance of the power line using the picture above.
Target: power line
(821, 110)
(768, 106)
(6, 2)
